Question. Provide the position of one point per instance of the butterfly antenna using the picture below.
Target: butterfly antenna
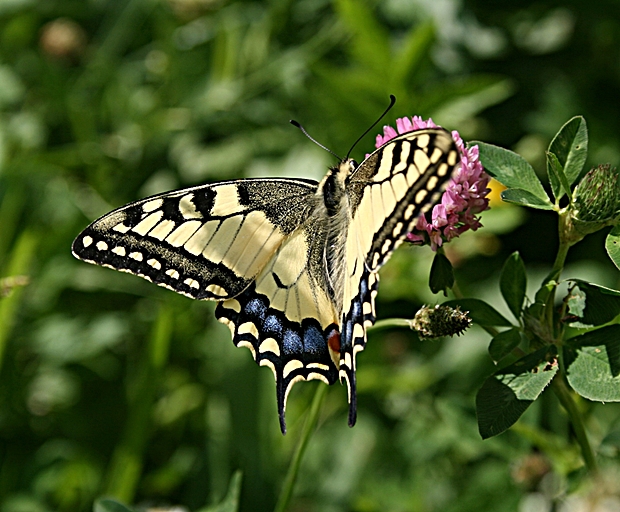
(392, 101)
(303, 130)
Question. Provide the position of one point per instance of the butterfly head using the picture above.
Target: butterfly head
(333, 185)
(349, 164)
(344, 170)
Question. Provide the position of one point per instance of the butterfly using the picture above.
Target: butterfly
(292, 263)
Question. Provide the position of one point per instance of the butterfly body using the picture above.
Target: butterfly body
(293, 263)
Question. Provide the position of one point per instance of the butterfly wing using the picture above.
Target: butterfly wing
(287, 316)
(387, 192)
(207, 242)
(253, 245)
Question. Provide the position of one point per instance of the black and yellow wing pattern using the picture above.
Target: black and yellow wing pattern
(293, 263)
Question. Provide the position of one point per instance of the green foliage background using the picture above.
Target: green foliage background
(112, 386)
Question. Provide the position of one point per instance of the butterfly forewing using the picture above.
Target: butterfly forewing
(393, 186)
(388, 191)
(208, 242)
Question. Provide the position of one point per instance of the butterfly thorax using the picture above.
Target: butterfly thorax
(332, 189)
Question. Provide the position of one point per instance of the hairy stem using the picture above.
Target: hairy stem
(18, 266)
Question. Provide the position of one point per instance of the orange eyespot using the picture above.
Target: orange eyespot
(333, 340)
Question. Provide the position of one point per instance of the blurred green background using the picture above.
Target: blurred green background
(112, 386)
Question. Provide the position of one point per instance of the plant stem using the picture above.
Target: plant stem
(564, 395)
(560, 259)
(567, 238)
(127, 460)
(390, 323)
(293, 469)
(18, 265)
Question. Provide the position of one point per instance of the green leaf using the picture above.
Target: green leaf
(570, 146)
(545, 292)
(592, 305)
(557, 178)
(512, 171)
(612, 245)
(413, 52)
(370, 41)
(230, 503)
(503, 343)
(109, 505)
(526, 198)
(543, 298)
(608, 337)
(442, 275)
(480, 312)
(512, 283)
(591, 372)
(506, 395)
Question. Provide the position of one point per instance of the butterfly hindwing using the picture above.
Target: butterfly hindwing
(293, 350)
(288, 315)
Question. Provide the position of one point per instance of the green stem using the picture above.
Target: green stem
(564, 395)
(127, 461)
(560, 259)
(456, 290)
(18, 265)
(389, 323)
(293, 470)
(566, 236)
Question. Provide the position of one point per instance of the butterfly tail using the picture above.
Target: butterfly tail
(347, 368)
(352, 388)
(281, 398)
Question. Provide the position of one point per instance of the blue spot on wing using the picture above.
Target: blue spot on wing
(291, 343)
(346, 336)
(363, 286)
(256, 308)
(272, 326)
(314, 342)
(356, 310)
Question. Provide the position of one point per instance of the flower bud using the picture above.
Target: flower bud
(440, 321)
(596, 196)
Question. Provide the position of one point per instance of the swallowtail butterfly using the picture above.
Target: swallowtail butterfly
(292, 263)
